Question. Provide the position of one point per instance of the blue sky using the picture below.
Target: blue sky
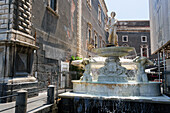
(129, 9)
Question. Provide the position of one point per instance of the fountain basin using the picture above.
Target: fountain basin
(150, 89)
(113, 51)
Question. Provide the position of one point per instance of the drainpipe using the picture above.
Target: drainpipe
(164, 69)
(159, 66)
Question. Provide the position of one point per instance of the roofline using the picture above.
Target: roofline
(162, 47)
(131, 20)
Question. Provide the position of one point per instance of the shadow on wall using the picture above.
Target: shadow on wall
(49, 23)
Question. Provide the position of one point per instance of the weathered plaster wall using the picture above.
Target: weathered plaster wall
(134, 30)
(55, 36)
(160, 23)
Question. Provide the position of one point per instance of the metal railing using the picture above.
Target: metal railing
(22, 97)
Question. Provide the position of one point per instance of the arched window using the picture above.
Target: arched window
(125, 45)
(144, 51)
(143, 38)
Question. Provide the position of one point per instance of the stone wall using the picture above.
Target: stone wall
(55, 35)
(35, 23)
(134, 30)
(4, 9)
(134, 40)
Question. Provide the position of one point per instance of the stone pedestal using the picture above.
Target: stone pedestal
(112, 71)
(12, 86)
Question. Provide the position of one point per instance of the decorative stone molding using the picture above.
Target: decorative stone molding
(52, 11)
(90, 46)
(89, 4)
(86, 75)
(79, 13)
(141, 63)
(104, 7)
(99, 14)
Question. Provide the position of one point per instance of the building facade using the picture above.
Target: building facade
(17, 45)
(93, 16)
(55, 25)
(64, 29)
(160, 35)
(135, 33)
(38, 38)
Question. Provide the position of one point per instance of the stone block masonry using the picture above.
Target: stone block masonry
(4, 14)
(56, 37)
(16, 14)
(18, 45)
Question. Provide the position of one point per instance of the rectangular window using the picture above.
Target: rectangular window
(89, 35)
(143, 38)
(96, 43)
(125, 38)
(53, 4)
(144, 51)
(99, 13)
(89, 32)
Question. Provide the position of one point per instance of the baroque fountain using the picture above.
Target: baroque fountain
(111, 88)
(112, 78)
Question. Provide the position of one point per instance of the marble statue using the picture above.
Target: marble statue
(86, 75)
(111, 27)
(141, 63)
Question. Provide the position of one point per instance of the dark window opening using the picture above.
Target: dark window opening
(144, 39)
(89, 35)
(53, 4)
(95, 45)
(144, 52)
(125, 39)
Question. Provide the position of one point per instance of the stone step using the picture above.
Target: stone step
(32, 92)
(22, 85)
